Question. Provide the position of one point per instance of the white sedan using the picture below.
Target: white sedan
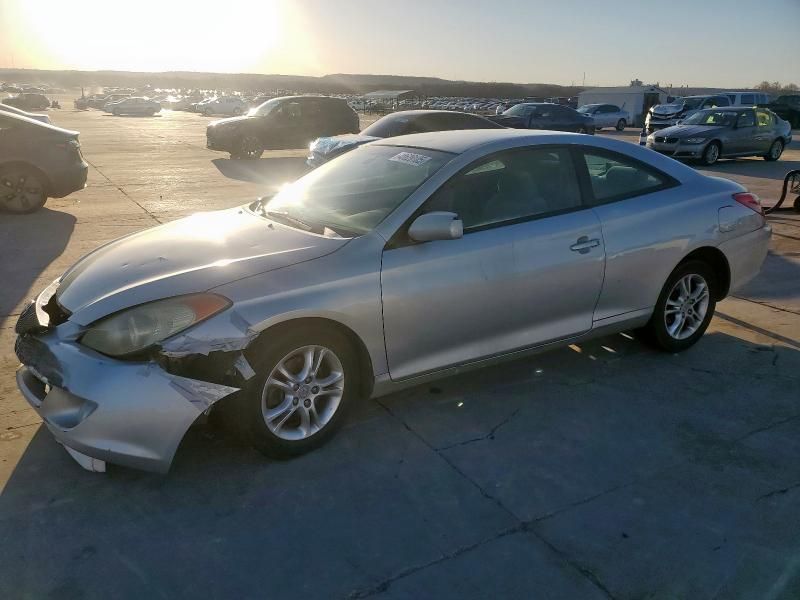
(224, 105)
(607, 115)
(134, 106)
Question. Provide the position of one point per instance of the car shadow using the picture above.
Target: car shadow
(31, 242)
(264, 170)
(556, 421)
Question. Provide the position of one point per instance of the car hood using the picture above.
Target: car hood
(230, 121)
(667, 109)
(326, 146)
(684, 131)
(189, 255)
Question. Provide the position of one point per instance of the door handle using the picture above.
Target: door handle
(584, 244)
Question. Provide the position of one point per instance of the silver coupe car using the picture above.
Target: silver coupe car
(406, 259)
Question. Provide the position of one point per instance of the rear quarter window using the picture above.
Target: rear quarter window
(614, 177)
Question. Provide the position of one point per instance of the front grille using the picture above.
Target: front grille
(34, 353)
(28, 321)
(666, 140)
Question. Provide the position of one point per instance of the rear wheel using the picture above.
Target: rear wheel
(711, 154)
(21, 190)
(621, 124)
(775, 151)
(684, 307)
(305, 382)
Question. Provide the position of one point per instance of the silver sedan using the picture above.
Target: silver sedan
(406, 259)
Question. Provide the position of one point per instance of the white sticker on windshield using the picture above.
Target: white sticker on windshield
(410, 158)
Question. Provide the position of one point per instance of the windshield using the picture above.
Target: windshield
(263, 110)
(716, 118)
(355, 192)
(520, 110)
(692, 103)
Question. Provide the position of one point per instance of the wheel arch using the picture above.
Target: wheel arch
(365, 367)
(714, 258)
(21, 163)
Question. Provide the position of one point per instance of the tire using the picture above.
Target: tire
(581, 129)
(22, 190)
(678, 321)
(621, 125)
(775, 151)
(248, 147)
(277, 409)
(711, 154)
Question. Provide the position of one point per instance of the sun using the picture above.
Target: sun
(157, 35)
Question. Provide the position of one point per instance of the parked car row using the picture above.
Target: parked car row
(669, 114)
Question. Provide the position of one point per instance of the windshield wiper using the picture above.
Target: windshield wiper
(286, 218)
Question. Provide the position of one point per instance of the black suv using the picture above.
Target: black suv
(787, 107)
(27, 101)
(281, 123)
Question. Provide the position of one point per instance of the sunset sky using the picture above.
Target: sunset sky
(679, 42)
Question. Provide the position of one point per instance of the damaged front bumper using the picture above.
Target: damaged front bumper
(129, 413)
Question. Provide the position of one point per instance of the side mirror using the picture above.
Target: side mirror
(434, 226)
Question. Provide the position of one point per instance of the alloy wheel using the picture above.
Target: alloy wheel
(302, 393)
(686, 306)
(20, 192)
(712, 154)
(580, 130)
(776, 150)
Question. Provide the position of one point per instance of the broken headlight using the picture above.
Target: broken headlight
(134, 329)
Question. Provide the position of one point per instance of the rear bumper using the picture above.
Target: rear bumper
(746, 254)
(63, 183)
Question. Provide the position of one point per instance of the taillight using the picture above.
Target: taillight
(749, 200)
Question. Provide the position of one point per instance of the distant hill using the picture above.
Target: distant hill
(341, 83)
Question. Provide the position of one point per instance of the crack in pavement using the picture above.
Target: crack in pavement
(778, 492)
(767, 304)
(528, 525)
(384, 585)
(124, 193)
(488, 436)
(521, 524)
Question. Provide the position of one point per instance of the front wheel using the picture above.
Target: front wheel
(775, 151)
(248, 147)
(711, 154)
(21, 190)
(580, 129)
(684, 307)
(621, 124)
(305, 382)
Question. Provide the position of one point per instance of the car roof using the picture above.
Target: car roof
(461, 140)
(35, 123)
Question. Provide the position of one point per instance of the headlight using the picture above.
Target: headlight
(137, 328)
(696, 140)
